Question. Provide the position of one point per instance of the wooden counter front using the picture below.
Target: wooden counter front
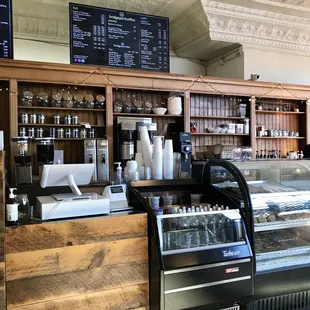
(97, 263)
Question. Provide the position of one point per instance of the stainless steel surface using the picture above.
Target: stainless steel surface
(90, 155)
(194, 287)
(103, 160)
(127, 150)
(239, 261)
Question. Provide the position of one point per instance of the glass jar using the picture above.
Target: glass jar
(56, 100)
(67, 119)
(91, 133)
(78, 101)
(83, 133)
(127, 107)
(75, 119)
(118, 107)
(56, 119)
(39, 133)
(147, 107)
(27, 98)
(99, 104)
(31, 132)
(68, 133)
(33, 119)
(89, 101)
(137, 106)
(67, 100)
(75, 133)
(43, 99)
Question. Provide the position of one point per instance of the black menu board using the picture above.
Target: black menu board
(106, 37)
(6, 37)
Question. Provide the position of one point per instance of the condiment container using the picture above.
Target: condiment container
(67, 119)
(91, 133)
(33, 119)
(24, 118)
(75, 133)
(31, 132)
(239, 128)
(56, 119)
(39, 133)
(231, 128)
(83, 133)
(41, 118)
(60, 133)
(68, 133)
(246, 128)
(75, 119)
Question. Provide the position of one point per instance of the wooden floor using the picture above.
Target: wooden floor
(84, 264)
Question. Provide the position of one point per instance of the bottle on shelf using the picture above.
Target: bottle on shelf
(194, 230)
(212, 228)
(184, 234)
(220, 228)
(12, 209)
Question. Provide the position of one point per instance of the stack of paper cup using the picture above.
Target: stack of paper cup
(168, 160)
(157, 168)
(146, 146)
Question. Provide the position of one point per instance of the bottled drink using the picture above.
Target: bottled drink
(184, 234)
(194, 231)
(203, 230)
(229, 230)
(212, 229)
(220, 228)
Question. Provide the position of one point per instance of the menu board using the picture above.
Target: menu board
(107, 37)
(6, 37)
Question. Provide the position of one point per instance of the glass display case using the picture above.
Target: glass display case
(281, 212)
(180, 233)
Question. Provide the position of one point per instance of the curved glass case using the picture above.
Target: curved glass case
(280, 194)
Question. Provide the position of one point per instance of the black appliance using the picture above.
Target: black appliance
(217, 273)
(182, 143)
(6, 31)
(107, 37)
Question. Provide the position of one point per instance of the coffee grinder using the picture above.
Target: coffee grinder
(182, 143)
(45, 152)
(23, 159)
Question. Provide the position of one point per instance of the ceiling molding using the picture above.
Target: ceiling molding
(238, 24)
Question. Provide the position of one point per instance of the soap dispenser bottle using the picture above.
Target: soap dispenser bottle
(12, 209)
(118, 175)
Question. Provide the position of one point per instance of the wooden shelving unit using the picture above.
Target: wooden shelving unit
(220, 134)
(218, 117)
(21, 107)
(279, 112)
(281, 120)
(57, 125)
(148, 115)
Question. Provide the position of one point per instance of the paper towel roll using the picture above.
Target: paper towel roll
(146, 146)
(157, 168)
(168, 160)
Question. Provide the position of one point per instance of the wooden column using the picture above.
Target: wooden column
(186, 112)
(308, 122)
(109, 124)
(253, 126)
(82, 264)
(13, 122)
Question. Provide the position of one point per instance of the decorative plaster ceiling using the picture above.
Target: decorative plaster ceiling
(202, 29)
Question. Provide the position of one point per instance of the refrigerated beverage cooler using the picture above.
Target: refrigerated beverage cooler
(200, 254)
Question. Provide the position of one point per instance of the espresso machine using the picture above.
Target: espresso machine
(23, 159)
(90, 154)
(182, 143)
(102, 160)
(45, 152)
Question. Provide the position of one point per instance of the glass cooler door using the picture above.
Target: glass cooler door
(181, 233)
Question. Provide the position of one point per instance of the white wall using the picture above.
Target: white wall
(48, 52)
(274, 65)
(232, 67)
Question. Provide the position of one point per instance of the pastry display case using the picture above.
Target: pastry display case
(280, 198)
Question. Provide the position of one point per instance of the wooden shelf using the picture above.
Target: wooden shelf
(56, 125)
(281, 138)
(60, 108)
(220, 134)
(277, 112)
(70, 139)
(218, 117)
(146, 115)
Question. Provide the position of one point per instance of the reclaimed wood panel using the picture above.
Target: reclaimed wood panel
(45, 288)
(79, 232)
(78, 264)
(127, 298)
